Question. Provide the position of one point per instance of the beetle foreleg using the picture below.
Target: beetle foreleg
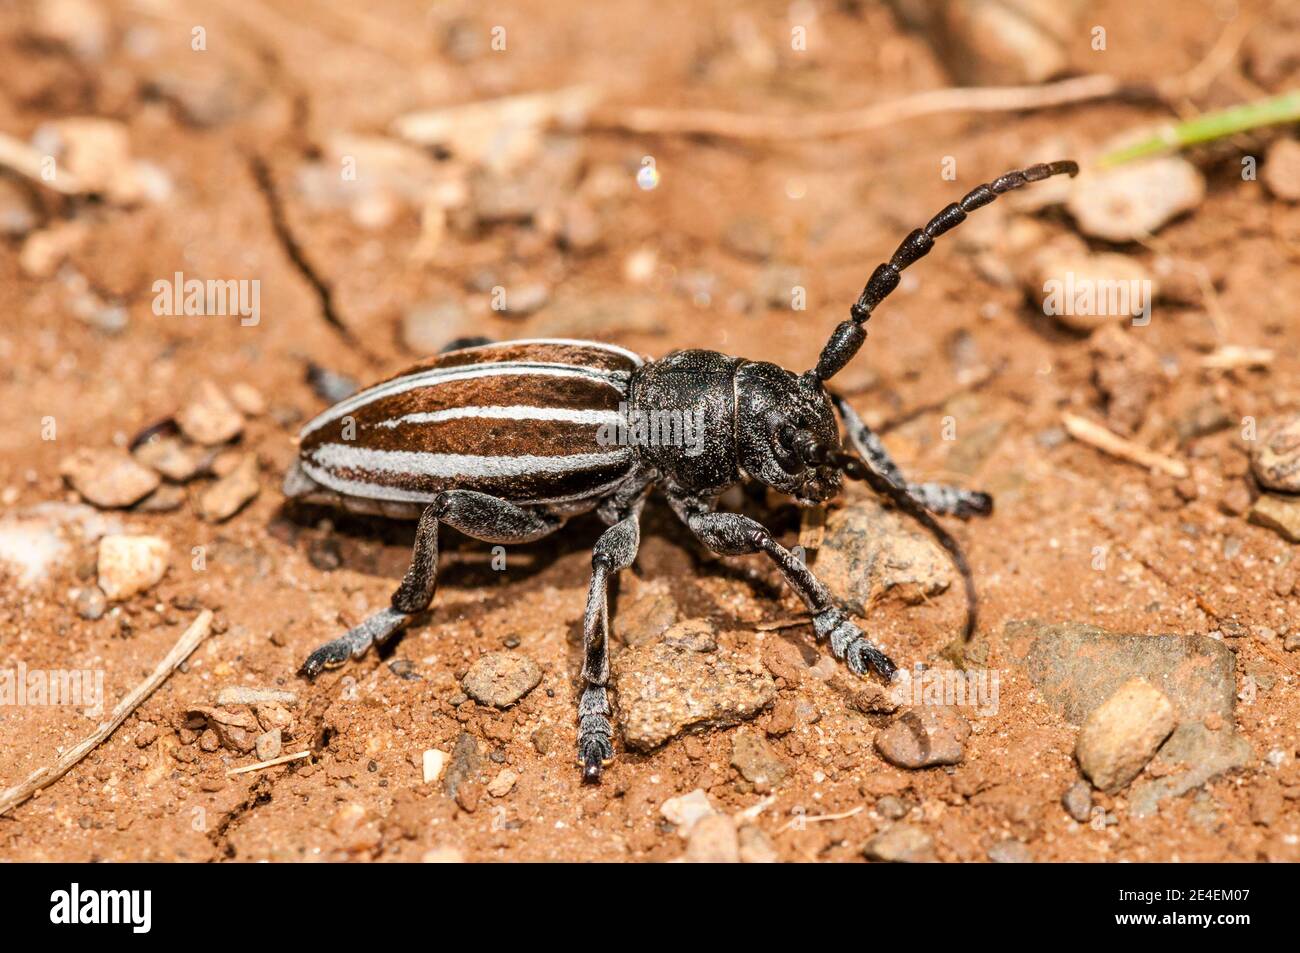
(474, 514)
(938, 498)
(614, 552)
(731, 534)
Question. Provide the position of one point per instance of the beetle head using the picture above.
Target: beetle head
(772, 406)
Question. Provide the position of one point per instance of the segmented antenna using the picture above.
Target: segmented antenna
(847, 338)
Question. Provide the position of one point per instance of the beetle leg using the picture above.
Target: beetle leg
(938, 498)
(731, 534)
(614, 552)
(474, 514)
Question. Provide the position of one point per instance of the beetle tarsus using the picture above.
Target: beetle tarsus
(354, 642)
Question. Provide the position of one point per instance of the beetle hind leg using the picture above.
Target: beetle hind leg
(595, 733)
(474, 514)
(614, 551)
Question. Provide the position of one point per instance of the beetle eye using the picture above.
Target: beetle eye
(783, 444)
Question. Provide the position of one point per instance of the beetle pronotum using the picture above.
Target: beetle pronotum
(501, 442)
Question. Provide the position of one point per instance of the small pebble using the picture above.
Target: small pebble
(924, 737)
(168, 498)
(91, 603)
(892, 808)
(901, 844)
(1123, 734)
(646, 617)
(1275, 456)
(210, 418)
(442, 855)
(269, 745)
(247, 399)
(131, 564)
(1077, 801)
(228, 495)
(433, 763)
(1134, 200)
(108, 478)
(686, 810)
(713, 840)
(468, 793)
(1281, 172)
(501, 678)
(1010, 852)
(503, 783)
(1278, 513)
(757, 762)
(170, 457)
(526, 299)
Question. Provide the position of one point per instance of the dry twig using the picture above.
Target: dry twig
(732, 125)
(187, 643)
(1107, 441)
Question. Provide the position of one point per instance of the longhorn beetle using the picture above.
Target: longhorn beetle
(502, 442)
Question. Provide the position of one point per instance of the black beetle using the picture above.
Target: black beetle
(507, 441)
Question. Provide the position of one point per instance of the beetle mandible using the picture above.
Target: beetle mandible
(501, 441)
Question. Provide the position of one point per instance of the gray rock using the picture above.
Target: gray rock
(501, 678)
(924, 737)
(1275, 456)
(1076, 667)
(869, 553)
(901, 844)
(91, 603)
(892, 808)
(1077, 801)
(1278, 513)
(756, 761)
(698, 635)
(663, 689)
(465, 763)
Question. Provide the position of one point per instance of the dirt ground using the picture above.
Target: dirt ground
(235, 151)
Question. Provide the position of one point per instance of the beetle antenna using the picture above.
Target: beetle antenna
(816, 454)
(847, 338)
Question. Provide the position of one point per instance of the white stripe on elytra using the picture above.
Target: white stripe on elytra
(446, 375)
(377, 491)
(507, 413)
(333, 456)
(567, 342)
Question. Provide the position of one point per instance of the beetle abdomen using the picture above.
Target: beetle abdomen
(520, 420)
